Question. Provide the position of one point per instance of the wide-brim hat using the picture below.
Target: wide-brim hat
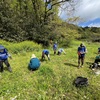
(33, 56)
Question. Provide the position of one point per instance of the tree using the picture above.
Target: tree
(29, 19)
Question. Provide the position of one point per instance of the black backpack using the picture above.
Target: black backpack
(80, 81)
(94, 65)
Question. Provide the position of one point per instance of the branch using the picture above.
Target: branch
(57, 3)
(46, 11)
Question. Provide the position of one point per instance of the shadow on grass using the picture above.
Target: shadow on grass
(69, 64)
(5, 68)
(89, 63)
(53, 54)
(32, 69)
(42, 60)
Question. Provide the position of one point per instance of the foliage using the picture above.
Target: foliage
(28, 20)
(90, 34)
(22, 20)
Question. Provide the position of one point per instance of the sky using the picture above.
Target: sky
(87, 10)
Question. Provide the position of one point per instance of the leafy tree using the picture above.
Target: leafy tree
(35, 20)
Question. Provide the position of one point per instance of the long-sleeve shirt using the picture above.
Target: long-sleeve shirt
(61, 50)
(4, 55)
(82, 50)
(46, 51)
(34, 63)
(55, 46)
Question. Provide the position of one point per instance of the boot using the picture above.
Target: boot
(9, 68)
(1, 69)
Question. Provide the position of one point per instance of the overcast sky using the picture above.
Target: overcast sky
(88, 11)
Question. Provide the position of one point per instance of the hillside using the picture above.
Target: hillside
(32, 20)
(53, 80)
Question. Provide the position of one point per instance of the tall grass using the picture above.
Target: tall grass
(53, 80)
(26, 46)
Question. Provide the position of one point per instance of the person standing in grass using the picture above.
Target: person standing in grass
(55, 47)
(34, 63)
(4, 58)
(47, 53)
(60, 51)
(81, 54)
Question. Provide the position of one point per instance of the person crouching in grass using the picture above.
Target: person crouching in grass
(34, 63)
(45, 53)
(60, 51)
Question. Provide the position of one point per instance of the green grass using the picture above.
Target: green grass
(53, 80)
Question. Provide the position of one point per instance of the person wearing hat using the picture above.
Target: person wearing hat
(4, 58)
(34, 63)
(55, 47)
(45, 52)
(81, 54)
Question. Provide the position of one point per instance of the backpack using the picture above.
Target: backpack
(94, 65)
(80, 81)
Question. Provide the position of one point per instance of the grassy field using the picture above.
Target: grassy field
(53, 80)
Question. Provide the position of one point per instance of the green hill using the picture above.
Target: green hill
(53, 80)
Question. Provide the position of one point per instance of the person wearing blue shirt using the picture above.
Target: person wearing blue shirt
(4, 58)
(55, 47)
(47, 53)
(81, 55)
